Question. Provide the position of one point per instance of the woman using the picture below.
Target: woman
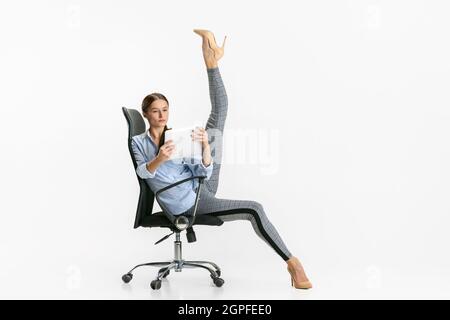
(152, 154)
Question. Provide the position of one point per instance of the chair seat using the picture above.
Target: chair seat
(159, 219)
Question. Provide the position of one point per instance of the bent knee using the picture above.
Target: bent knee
(257, 207)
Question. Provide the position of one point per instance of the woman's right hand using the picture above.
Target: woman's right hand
(166, 150)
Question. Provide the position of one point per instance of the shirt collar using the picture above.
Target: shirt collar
(150, 137)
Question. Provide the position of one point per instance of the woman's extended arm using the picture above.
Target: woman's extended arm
(200, 134)
(206, 155)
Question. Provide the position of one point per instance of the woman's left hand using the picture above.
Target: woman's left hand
(200, 134)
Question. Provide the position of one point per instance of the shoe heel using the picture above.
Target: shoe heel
(223, 43)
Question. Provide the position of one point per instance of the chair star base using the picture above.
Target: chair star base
(177, 264)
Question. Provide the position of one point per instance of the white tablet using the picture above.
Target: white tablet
(185, 147)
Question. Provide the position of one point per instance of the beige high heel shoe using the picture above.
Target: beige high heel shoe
(301, 284)
(211, 40)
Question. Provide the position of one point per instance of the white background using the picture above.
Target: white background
(356, 93)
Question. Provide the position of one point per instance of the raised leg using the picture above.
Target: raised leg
(212, 53)
(215, 124)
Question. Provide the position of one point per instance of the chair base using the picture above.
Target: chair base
(177, 264)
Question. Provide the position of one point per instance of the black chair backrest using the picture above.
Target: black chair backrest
(136, 125)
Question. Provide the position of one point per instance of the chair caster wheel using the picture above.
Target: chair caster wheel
(127, 277)
(155, 284)
(218, 282)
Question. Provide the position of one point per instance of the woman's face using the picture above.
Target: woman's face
(157, 113)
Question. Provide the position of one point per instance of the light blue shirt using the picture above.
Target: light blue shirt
(181, 197)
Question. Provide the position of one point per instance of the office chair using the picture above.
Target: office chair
(164, 219)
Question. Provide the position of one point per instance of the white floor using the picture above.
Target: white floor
(269, 281)
(88, 263)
